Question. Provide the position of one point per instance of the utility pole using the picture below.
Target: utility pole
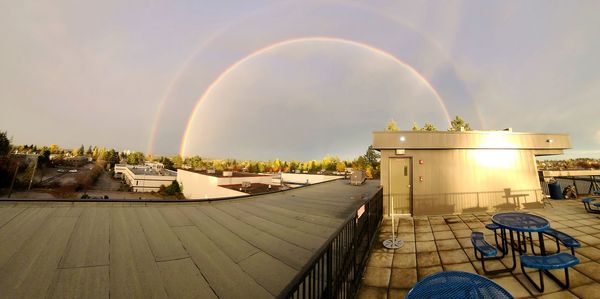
(14, 178)
(33, 173)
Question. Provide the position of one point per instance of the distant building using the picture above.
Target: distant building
(427, 173)
(145, 178)
(217, 184)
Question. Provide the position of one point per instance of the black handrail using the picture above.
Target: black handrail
(335, 271)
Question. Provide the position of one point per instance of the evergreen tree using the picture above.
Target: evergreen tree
(392, 127)
(457, 123)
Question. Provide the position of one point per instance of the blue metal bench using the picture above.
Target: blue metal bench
(587, 202)
(565, 239)
(555, 261)
(485, 250)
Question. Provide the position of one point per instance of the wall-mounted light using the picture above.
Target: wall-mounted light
(402, 138)
(421, 162)
(420, 179)
(549, 140)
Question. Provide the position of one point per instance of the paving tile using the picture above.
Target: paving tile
(587, 291)
(453, 256)
(408, 247)
(425, 271)
(463, 233)
(458, 226)
(513, 286)
(590, 252)
(591, 240)
(406, 236)
(380, 259)
(576, 278)
(465, 243)
(590, 269)
(558, 295)
(368, 292)
(447, 244)
(397, 293)
(404, 260)
(427, 259)
(465, 267)
(377, 277)
(589, 230)
(403, 278)
(550, 285)
(440, 227)
(426, 246)
(422, 229)
(443, 235)
(424, 237)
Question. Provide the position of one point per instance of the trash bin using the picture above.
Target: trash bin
(555, 190)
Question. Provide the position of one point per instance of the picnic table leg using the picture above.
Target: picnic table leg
(512, 240)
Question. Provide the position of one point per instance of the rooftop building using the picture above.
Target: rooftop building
(427, 173)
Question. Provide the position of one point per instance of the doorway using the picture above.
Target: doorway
(401, 185)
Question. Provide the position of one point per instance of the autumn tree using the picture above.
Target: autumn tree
(458, 124)
(428, 127)
(391, 126)
(415, 127)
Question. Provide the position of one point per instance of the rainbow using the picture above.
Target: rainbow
(242, 61)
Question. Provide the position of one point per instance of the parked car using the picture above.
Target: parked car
(72, 170)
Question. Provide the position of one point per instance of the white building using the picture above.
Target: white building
(146, 178)
(217, 184)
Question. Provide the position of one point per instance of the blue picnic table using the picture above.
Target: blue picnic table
(521, 223)
(457, 284)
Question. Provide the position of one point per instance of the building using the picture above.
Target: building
(145, 178)
(427, 173)
(199, 184)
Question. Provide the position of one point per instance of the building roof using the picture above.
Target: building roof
(470, 140)
(255, 188)
(243, 248)
(219, 174)
(144, 170)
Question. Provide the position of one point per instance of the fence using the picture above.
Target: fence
(583, 184)
(336, 269)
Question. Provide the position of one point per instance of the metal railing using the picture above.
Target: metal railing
(335, 271)
(582, 184)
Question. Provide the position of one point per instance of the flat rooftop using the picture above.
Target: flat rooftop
(219, 174)
(141, 170)
(243, 248)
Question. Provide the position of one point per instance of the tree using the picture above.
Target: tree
(136, 158)
(428, 127)
(372, 157)
(458, 124)
(166, 162)
(340, 166)
(415, 127)
(89, 151)
(4, 144)
(81, 150)
(391, 126)
(54, 149)
(177, 161)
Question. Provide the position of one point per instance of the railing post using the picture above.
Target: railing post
(329, 288)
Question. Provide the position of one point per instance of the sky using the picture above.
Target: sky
(293, 79)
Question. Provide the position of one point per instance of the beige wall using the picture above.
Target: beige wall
(199, 186)
(143, 183)
(467, 180)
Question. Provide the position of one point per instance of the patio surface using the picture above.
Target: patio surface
(442, 243)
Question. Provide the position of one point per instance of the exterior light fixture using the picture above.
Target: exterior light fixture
(549, 140)
(402, 138)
